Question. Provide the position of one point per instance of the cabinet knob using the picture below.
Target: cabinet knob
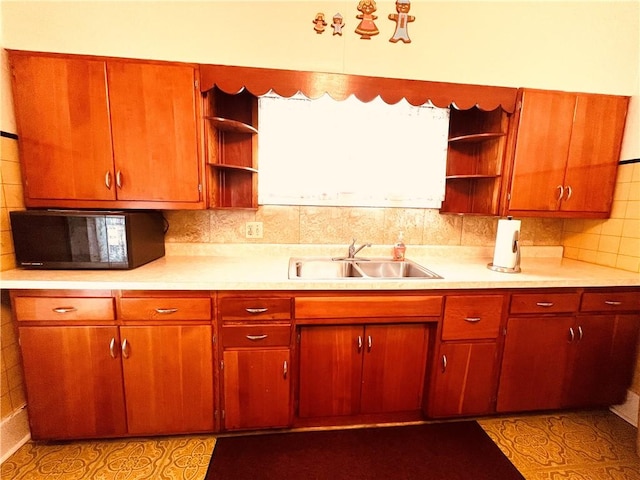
(256, 309)
(613, 303)
(64, 309)
(125, 348)
(569, 192)
(166, 311)
(545, 304)
(255, 338)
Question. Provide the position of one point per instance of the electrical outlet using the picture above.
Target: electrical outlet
(253, 230)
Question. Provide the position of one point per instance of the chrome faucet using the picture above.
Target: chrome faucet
(353, 250)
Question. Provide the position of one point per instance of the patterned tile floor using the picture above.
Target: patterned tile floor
(593, 445)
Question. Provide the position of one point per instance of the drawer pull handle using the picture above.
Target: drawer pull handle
(256, 310)
(285, 369)
(125, 348)
(166, 311)
(472, 319)
(65, 309)
(545, 304)
(112, 347)
(444, 363)
(613, 303)
(255, 338)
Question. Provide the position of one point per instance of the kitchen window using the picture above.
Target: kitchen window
(351, 153)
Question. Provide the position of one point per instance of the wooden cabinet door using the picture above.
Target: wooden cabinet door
(256, 388)
(534, 363)
(594, 153)
(602, 367)
(590, 362)
(62, 117)
(393, 367)
(74, 382)
(330, 370)
(542, 146)
(155, 133)
(465, 379)
(168, 378)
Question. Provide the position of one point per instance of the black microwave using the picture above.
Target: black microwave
(71, 239)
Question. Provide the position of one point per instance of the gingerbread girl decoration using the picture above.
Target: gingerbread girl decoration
(367, 27)
(319, 23)
(402, 19)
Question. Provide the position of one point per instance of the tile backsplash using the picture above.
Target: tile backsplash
(614, 242)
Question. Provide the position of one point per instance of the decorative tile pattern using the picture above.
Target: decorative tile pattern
(165, 458)
(592, 445)
(576, 445)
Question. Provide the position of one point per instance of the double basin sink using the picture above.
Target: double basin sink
(326, 268)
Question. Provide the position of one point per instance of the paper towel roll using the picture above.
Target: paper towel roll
(505, 253)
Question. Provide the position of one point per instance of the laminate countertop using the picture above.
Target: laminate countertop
(266, 267)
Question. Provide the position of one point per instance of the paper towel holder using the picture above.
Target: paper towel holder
(516, 250)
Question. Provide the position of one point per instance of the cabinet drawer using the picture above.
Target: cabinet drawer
(256, 335)
(63, 308)
(545, 303)
(255, 308)
(471, 317)
(610, 301)
(165, 309)
(368, 306)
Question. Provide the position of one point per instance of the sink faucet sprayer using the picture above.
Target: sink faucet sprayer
(353, 250)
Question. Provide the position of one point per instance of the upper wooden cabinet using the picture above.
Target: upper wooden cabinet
(566, 154)
(105, 133)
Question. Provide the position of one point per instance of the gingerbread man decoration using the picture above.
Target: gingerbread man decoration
(402, 19)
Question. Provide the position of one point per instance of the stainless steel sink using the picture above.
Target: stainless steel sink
(324, 268)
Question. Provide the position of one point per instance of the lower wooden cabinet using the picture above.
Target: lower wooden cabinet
(355, 369)
(168, 378)
(571, 359)
(73, 377)
(465, 379)
(465, 370)
(256, 361)
(256, 388)
(86, 376)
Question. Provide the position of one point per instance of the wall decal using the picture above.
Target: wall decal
(367, 27)
(319, 23)
(337, 24)
(402, 19)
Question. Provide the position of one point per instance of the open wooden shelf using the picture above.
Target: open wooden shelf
(475, 161)
(231, 131)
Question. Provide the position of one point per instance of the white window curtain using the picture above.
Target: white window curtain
(350, 153)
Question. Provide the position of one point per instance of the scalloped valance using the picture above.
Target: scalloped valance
(286, 83)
